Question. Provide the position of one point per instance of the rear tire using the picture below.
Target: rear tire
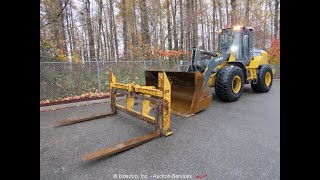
(265, 78)
(229, 83)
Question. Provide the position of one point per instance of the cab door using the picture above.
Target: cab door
(247, 46)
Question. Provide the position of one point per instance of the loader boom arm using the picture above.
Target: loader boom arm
(206, 61)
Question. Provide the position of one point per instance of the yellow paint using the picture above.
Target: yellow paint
(267, 79)
(232, 57)
(166, 104)
(121, 106)
(112, 80)
(255, 63)
(168, 133)
(121, 86)
(258, 60)
(264, 59)
(212, 79)
(252, 72)
(145, 109)
(130, 102)
(236, 84)
(148, 91)
(163, 92)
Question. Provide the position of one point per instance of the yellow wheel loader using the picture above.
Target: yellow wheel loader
(228, 69)
(186, 93)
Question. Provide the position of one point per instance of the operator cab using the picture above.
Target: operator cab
(237, 39)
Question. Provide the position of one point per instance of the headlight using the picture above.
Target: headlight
(236, 28)
(234, 48)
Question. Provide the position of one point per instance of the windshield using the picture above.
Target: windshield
(230, 39)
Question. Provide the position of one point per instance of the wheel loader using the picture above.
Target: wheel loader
(186, 93)
(226, 69)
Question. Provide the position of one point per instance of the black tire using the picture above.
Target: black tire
(261, 86)
(224, 83)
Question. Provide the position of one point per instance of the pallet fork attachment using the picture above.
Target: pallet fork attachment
(157, 98)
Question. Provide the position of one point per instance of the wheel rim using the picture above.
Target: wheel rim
(267, 79)
(236, 84)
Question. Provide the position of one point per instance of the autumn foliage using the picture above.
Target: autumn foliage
(274, 52)
(142, 51)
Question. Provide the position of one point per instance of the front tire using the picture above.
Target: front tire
(229, 83)
(265, 78)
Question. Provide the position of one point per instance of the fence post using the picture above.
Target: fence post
(98, 76)
(144, 63)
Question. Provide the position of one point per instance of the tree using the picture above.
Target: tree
(220, 14)
(213, 23)
(99, 28)
(194, 23)
(124, 29)
(181, 25)
(233, 12)
(169, 25)
(144, 21)
(90, 31)
(276, 22)
(227, 11)
(246, 19)
(188, 28)
(113, 30)
(174, 13)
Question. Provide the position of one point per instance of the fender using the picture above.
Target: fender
(242, 66)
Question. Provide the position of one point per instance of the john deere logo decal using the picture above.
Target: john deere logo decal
(219, 59)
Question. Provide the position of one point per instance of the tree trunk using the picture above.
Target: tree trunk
(86, 48)
(63, 44)
(144, 22)
(109, 43)
(174, 13)
(194, 24)
(220, 14)
(162, 44)
(99, 28)
(271, 20)
(124, 29)
(276, 22)
(135, 30)
(233, 12)
(69, 33)
(227, 9)
(90, 32)
(114, 31)
(169, 25)
(202, 28)
(74, 44)
(214, 23)
(265, 25)
(181, 25)
(111, 37)
(208, 34)
(246, 17)
(104, 42)
(188, 28)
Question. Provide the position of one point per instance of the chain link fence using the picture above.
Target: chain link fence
(65, 79)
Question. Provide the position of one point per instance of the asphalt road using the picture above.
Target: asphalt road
(238, 140)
